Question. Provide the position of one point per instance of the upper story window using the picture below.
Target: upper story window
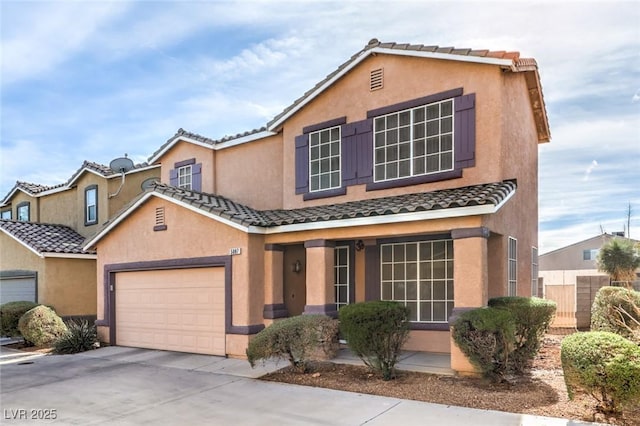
(91, 205)
(6, 214)
(184, 177)
(22, 211)
(324, 159)
(591, 254)
(414, 142)
(512, 267)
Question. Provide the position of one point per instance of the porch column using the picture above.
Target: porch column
(274, 306)
(319, 275)
(471, 283)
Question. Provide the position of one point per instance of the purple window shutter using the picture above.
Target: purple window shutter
(365, 150)
(349, 154)
(196, 177)
(173, 177)
(465, 131)
(302, 164)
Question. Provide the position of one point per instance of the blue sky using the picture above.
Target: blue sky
(94, 80)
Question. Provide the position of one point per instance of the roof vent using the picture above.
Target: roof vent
(376, 80)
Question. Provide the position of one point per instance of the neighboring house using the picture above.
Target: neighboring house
(42, 230)
(408, 174)
(570, 276)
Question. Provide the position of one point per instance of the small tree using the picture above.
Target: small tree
(619, 260)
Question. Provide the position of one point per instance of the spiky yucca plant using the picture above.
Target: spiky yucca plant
(80, 336)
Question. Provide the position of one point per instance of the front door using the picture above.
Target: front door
(295, 283)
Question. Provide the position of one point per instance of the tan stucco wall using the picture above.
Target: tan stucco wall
(34, 206)
(69, 285)
(59, 208)
(182, 151)
(188, 235)
(130, 189)
(251, 173)
(88, 179)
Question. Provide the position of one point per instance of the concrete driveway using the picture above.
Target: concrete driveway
(126, 386)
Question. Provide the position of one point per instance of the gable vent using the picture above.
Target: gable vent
(376, 80)
(160, 225)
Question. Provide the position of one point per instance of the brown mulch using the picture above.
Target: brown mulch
(542, 393)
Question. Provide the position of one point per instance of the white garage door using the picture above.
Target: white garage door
(17, 289)
(176, 310)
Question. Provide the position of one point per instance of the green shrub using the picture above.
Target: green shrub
(375, 331)
(41, 326)
(297, 339)
(487, 337)
(10, 314)
(79, 337)
(617, 310)
(603, 365)
(532, 317)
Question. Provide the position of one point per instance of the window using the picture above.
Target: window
(512, 267)
(591, 254)
(419, 275)
(22, 211)
(414, 142)
(324, 159)
(91, 205)
(5, 214)
(341, 275)
(534, 271)
(184, 177)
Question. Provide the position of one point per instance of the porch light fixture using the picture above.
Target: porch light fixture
(359, 245)
(297, 267)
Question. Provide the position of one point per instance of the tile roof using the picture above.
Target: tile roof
(45, 238)
(476, 195)
(194, 136)
(518, 64)
(35, 188)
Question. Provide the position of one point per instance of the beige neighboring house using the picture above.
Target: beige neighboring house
(407, 174)
(570, 276)
(42, 230)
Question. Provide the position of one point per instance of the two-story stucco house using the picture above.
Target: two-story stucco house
(407, 174)
(43, 228)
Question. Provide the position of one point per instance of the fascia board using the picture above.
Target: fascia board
(70, 256)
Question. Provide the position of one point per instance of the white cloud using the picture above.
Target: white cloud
(590, 169)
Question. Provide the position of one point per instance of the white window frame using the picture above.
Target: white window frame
(185, 177)
(429, 281)
(317, 172)
(88, 205)
(5, 215)
(534, 271)
(593, 254)
(381, 135)
(338, 283)
(20, 210)
(512, 267)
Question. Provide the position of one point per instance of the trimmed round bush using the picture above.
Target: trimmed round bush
(10, 314)
(532, 317)
(41, 326)
(617, 310)
(603, 365)
(298, 339)
(487, 337)
(375, 331)
(79, 337)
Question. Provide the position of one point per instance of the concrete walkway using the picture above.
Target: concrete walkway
(128, 386)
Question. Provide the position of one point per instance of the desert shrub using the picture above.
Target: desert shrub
(532, 317)
(487, 337)
(79, 337)
(375, 331)
(10, 314)
(296, 339)
(41, 326)
(617, 310)
(603, 365)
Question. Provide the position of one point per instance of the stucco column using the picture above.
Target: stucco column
(471, 282)
(319, 275)
(274, 306)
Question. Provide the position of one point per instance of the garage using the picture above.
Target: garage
(171, 309)
(17, 286)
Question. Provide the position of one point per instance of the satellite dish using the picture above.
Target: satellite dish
(121, 164)
(148, 183)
